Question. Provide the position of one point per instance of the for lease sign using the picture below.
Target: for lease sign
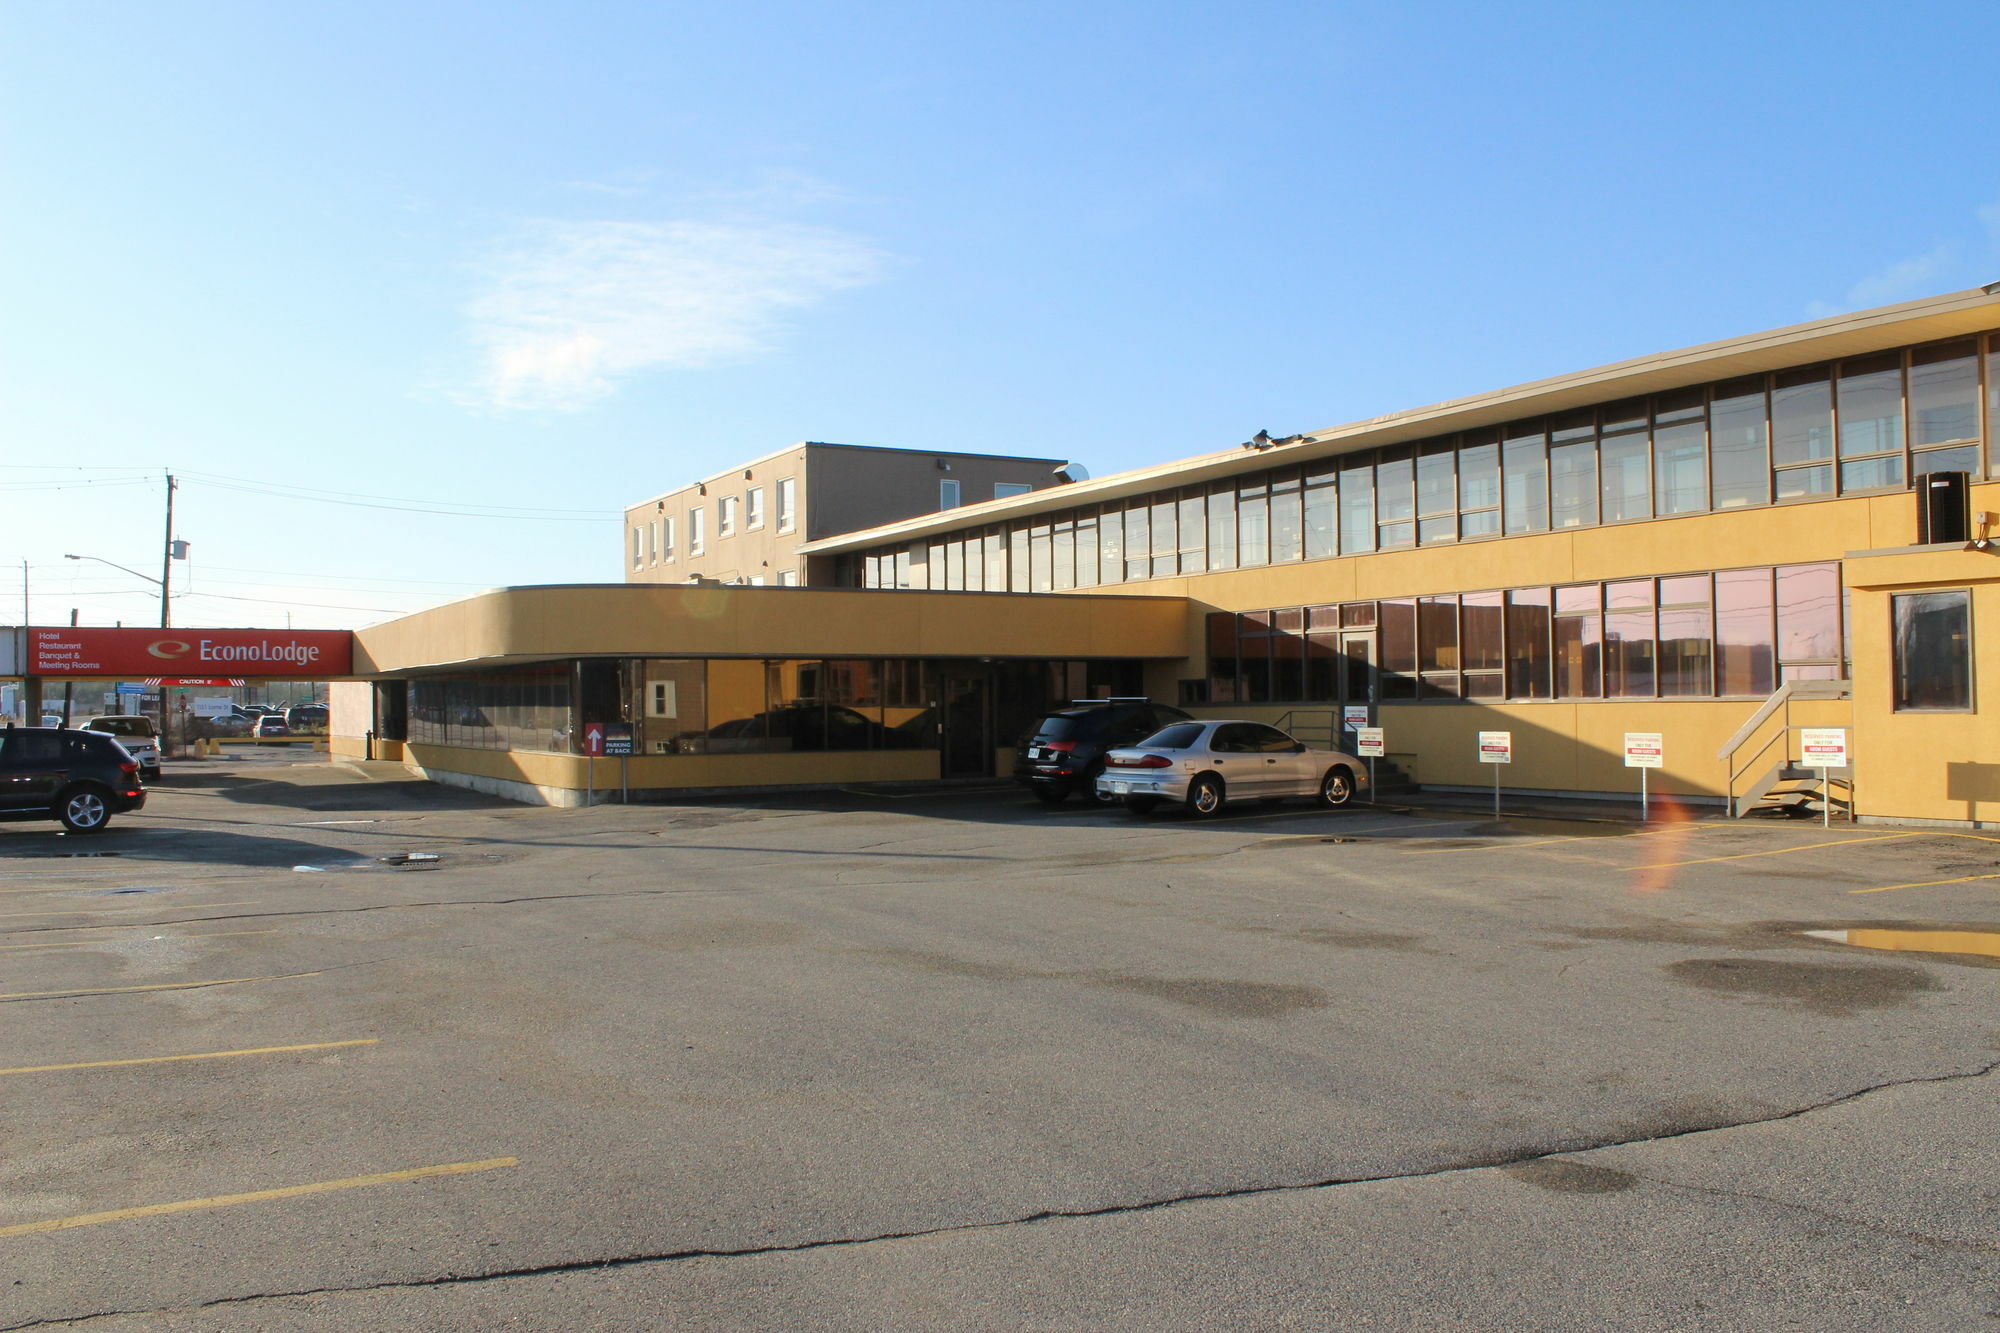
(280, 654)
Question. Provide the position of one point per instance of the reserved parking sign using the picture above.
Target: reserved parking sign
(1496, 747)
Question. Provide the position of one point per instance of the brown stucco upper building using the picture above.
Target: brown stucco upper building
(744, 525)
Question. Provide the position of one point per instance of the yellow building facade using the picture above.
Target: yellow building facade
(1724, 545)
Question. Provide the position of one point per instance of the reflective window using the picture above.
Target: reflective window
(1479, 485)
(1573, 470)
(1193, 532)
(1680, 453)
(1739, 444)
(1396, 502)
(1579, 642)
(1944, 394)
(1809, 622)
(1321, 515)
(1253, 525)
(1163, 517)
(1437, 646)
(1138, 543)
(1686, 637)
(1222, 529)
(1933, 650)
(1745, 646)
(1437, 495)
(1629, 662)
(1287, 520)
(1482, 634)
(1870, 407)
(1529, 625)
(1524, 460)
(1398, 648)
(1222, 643)
(1357, 508)
(1111, 546)
(1625, 487)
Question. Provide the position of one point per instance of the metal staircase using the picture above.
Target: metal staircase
(1321, 729)
(1763, 760)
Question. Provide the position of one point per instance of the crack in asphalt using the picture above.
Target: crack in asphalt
(1479, 1162)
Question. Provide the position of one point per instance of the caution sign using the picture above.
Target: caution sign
(1496, 747)
(1644, 749)
(1823, 747)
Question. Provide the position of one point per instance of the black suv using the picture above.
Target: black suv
(80, 777)
(1064, 751)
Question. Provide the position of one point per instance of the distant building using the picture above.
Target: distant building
(744, 525)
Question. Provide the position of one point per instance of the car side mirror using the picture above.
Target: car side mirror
(1298, 747)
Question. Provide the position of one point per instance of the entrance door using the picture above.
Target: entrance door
(968, 733)
(1357, 666)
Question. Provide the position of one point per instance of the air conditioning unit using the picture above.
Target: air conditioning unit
(1944, 512)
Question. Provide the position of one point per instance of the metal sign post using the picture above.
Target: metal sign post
(1644, 750)
(1824, 748)
(1368, 744)
(1496, 748)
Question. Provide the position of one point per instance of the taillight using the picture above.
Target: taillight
(1140, 761)
(1059, 747)
(130, 770)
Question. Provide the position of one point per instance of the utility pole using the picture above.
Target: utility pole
(166, 616)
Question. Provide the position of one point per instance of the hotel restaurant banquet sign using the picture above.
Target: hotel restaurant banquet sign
(307, 654)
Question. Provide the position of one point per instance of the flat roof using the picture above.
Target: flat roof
(1926, 320)
(538, 623)
(828, 444)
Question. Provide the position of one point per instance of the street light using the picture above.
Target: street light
(174, 550)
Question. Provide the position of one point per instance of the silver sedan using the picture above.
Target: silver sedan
(1208, 763)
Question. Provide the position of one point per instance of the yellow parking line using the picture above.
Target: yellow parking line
(78, 944)
(129, 911)
(55, 944)
(256, 1196)
(1926, 884)
(164, 985)
(1775, 851)
(204, 1055)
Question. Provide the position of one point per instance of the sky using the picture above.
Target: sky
(414, 298)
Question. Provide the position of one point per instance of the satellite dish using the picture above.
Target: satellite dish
(1073, 472)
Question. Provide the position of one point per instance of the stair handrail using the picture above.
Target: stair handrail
(1779, 697)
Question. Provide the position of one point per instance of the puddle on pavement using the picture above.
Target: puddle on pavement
(1965, 943)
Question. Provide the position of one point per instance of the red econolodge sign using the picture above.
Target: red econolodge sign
(308, 654)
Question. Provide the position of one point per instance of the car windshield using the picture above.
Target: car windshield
(1177, 737)
(123, 726)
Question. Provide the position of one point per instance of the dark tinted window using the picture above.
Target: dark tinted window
(123, 726)
(30, 747)
(1272, 741)
(1177, 737)
(1236, 738)
(1054, 729)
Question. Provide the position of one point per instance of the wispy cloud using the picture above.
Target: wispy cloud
(569, 309)
(1948, 264)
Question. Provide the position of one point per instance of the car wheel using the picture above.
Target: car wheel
(1336, 788)
(1140, 805)
(1051, 793)
(1205, 795)
(83, 810)
(1090, 785)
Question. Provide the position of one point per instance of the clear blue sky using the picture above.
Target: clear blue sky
(560, 257)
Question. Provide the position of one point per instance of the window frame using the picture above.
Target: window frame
(1971, 655)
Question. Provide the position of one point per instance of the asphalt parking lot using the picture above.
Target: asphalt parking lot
(856, 1061)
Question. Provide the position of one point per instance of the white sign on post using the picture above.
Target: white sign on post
(1496, 747)
(1823, 747)
(1644, 749)
(1354, 716)
(1369, 743)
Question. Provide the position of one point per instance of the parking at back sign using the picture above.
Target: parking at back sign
(1644, 749)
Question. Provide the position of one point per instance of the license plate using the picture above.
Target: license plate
(1118, 788)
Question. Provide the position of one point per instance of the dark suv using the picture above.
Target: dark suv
(1064, 751)
(80, 777)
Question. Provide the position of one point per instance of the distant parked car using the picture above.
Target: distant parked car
(1064, 750)
(137, 735)
(306, 718)
(270, 731)
(1207, 764)
(79, 777)
(211, 728)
